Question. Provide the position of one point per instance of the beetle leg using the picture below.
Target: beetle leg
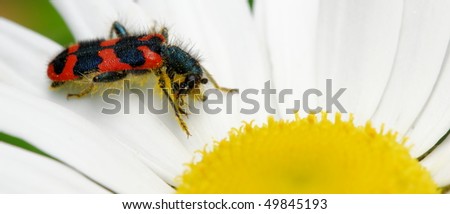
(172, 98)
(110, 76)
(139, 72)
(56, 84)
(176, 109)
(83, 92)
(103, 77)
(118, 29)
(216, 85)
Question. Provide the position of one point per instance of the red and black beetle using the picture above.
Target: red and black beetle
(109, 60)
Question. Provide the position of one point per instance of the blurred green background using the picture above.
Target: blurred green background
(39, 16)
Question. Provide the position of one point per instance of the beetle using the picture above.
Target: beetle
(109, 60)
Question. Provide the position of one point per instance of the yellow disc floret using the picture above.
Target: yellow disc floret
(307, 156)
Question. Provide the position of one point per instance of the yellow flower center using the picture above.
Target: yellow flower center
(307, 156)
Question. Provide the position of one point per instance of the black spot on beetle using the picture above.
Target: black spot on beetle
(88, 58)
(126, 50)
(59, 62)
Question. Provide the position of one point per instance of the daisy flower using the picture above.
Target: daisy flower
(392, 58)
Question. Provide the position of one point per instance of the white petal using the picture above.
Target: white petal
(76, 142)
(207, 127)
(25, 51)
(93, 19)
(289, 28)
(422, 45)
(11, 78)
(236, 38)
(356, 46)
(26, 172)
(145, 133)
(434, 121)
(437, 163)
